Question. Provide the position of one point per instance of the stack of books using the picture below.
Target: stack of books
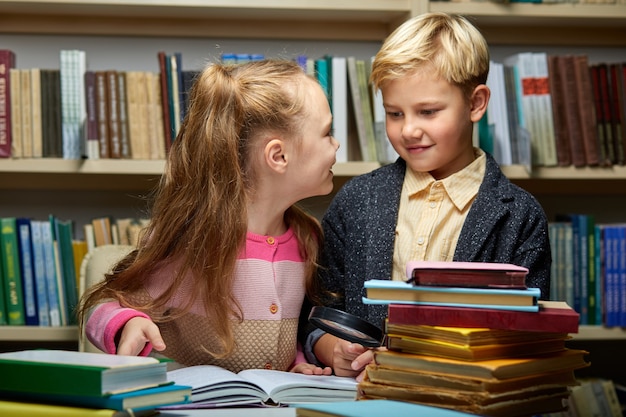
(471, 337)
(67, 383)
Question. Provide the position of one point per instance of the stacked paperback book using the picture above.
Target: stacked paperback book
(471, 337)
(66, 383)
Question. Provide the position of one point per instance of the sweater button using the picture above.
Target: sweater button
(270, 240)
(273, 309)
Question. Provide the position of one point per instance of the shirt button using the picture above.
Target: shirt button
(420, 240)
(268, 365)
(270, 240)
(273, 309)
(433, 205)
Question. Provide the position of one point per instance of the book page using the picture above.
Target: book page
(285, 387)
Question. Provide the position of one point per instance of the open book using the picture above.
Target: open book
(213, 386)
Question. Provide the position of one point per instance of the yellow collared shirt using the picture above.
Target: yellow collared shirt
(432, 213)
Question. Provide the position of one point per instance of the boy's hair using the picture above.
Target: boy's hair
(199, 216)
(449, 44)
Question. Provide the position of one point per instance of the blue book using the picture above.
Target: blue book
(137, 400)
(39, 271)
(28, 277)
(399, 292)
(374, 408)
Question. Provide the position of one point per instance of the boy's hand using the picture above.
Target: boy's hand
(310, 369)
(346, 358)
(136, 333)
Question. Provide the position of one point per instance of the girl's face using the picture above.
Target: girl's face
(429, 123)
(317, 148)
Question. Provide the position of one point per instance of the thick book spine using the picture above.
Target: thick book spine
(103, 115)
(113, 111)
(165, 98)
(561, 320)
(123, 116)
(64, 237)
(585, 110)
(570, 100)
(91, 126)
(16, 113)
(12, 276)
(555, 80)
(51, 273)
(36, 110)
(39, 272)
(7, 62)
(28, 274)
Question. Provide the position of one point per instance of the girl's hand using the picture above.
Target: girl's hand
(136, 333)
(310, 369)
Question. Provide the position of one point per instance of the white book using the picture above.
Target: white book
(213, 386)
(497, 114)
(339, 108)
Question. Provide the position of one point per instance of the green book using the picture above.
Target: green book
(11, 274)
(78, 373)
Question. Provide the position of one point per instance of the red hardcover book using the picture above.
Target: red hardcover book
(466, 274)
(553, 316)
(7, 61)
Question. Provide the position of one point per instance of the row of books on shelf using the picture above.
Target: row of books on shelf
(589, 268)
(545, 109)
(74, 112)
(40, 265)
(555, 110)
(478, 355)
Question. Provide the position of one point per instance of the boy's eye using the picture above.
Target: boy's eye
(428, 112)
(394, 114)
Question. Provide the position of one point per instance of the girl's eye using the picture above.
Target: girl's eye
(394, 114)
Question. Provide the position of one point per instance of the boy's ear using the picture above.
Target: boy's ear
(275, 155)
(478, 102)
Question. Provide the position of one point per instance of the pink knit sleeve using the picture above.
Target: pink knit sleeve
(106, 321)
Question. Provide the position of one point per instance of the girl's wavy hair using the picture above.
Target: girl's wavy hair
(199, 217)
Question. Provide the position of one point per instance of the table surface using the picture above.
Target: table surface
(232, 412)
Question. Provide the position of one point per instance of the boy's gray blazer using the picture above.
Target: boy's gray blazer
(505, 224)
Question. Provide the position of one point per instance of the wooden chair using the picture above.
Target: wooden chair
(94, 266)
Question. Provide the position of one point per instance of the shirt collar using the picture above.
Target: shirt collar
(461, 187)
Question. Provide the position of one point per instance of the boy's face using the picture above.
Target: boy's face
(430, 123)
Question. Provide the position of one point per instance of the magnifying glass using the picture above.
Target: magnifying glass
(346, 326)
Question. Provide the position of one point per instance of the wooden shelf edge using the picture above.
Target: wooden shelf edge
(38, 334)
(586, 332)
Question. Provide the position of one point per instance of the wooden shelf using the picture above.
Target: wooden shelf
(111, 174)
(544, 24)
(600, 333)
(295, 19)
(38, 334)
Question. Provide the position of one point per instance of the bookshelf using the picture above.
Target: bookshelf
(25, 185)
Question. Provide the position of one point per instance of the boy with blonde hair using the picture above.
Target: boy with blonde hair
(442, 200)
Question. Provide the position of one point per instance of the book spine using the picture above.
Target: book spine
(36, 110)
(103, 115)
(167, 123)
(7, 62)
(113, 110)
(91, 127)
(31, 317)
(40, 273)
(16, 113)
(26, 120)
(12, 279)
(51, 273)
(123, 116)
(585, 110)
